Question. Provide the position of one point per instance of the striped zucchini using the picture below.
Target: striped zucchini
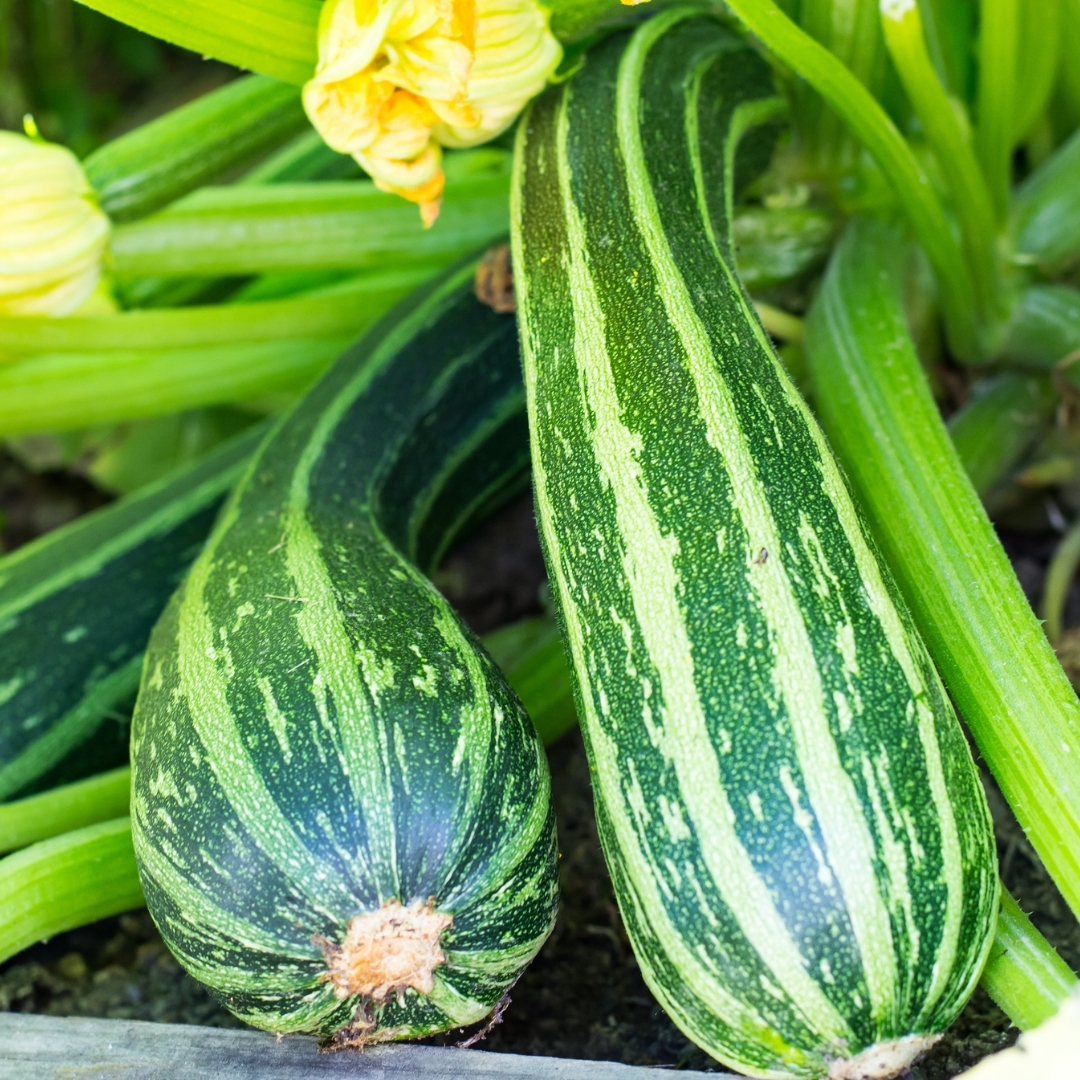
(795, 829)
(76, 608)
(340, 811)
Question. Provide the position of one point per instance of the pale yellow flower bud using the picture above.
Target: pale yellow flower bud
(52, 233)
(399, 79)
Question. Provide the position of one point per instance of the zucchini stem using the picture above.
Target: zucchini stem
(1023, 973)
(68, 881)
(61, 809)
(996, 123)
(950, 141)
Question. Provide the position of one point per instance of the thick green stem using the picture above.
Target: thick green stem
(869, 122)
(72, 806)
(849, 30)
(1038, 50)
(949, 139)
(1023, 974)
(68, 881)
(75, 388)
(250, 229)
(877, 409)
(160, 161)
(996, 126)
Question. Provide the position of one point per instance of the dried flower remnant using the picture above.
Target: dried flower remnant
(52, 232)
(397, 80)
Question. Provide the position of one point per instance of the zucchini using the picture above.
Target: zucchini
(328, 772)
(795, 829)
(76, 608)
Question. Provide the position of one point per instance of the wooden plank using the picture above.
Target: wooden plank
(76, 1048)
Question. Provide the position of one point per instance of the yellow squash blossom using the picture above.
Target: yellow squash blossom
(52, 233)
(398, 80)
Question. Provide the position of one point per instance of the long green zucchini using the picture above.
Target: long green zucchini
(340, 811)
(796, 832)
(77, 606)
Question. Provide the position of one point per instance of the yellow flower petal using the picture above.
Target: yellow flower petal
(397, 77)
(52, 233)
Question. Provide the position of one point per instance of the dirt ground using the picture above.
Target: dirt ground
(583, 996)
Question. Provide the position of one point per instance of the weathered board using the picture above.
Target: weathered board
(75, 1048)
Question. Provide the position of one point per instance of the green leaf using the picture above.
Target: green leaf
(160, 161)
(273, 37)
(998, 424)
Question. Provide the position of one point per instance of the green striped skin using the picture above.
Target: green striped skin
(796, 832)
(317, 733)
(76, 608)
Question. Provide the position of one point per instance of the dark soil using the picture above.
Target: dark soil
(583, 996)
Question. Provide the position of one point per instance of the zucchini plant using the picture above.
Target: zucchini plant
(796, 831)
(340, 810)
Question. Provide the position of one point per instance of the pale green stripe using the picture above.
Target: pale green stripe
(365, 756)
(903, 649)
(204, 686)
(357, 739)
(831, 792)
(462, 1010)
(704, 983)
(201, 915)
(953, 865)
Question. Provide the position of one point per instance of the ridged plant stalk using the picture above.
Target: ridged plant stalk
(872, 126)
(348, 225)
(950, 140)
(1023, 973)
(849, 29)
(71, 880)
(90, 371)
(1039, 50)
(995, 127)
(877, 409)
(158, 162)
(65, 808)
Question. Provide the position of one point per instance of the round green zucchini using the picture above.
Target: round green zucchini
(341, 812)
(796, 831)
